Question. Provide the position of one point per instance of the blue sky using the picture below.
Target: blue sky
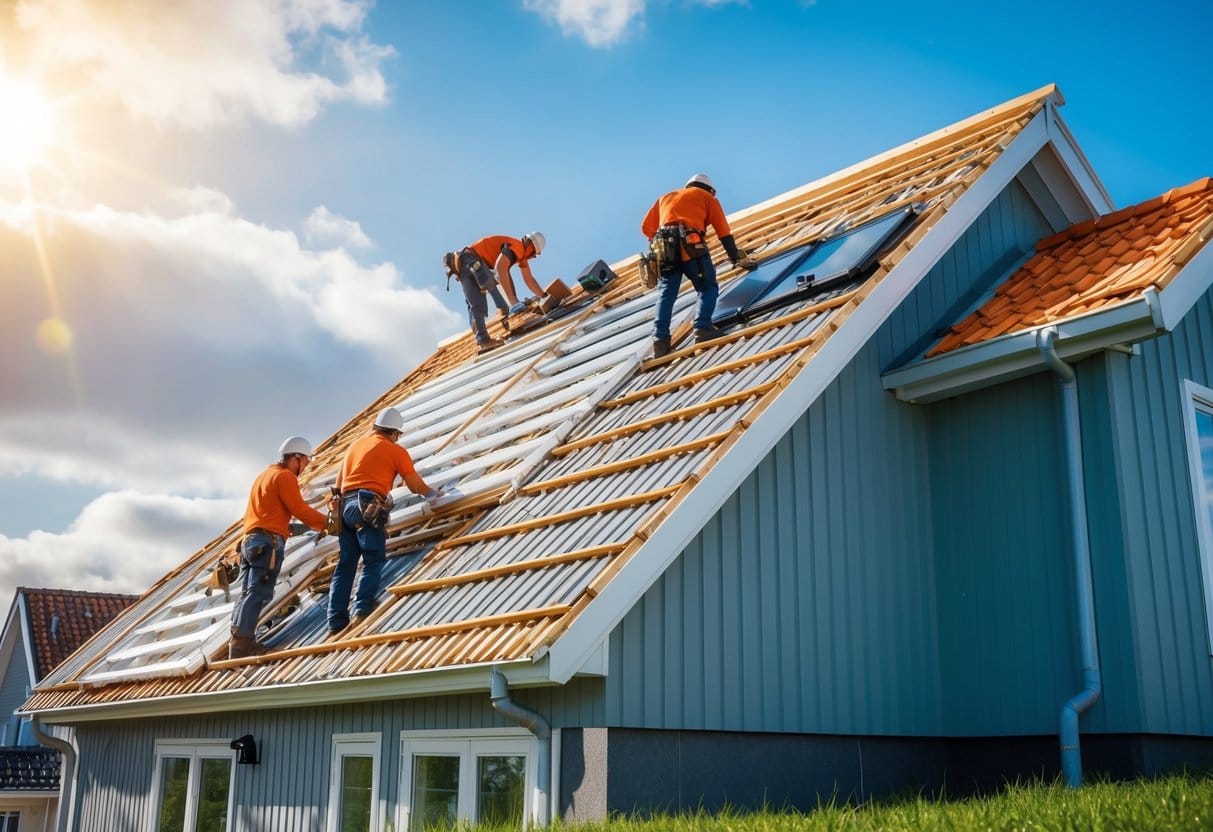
(243, 214)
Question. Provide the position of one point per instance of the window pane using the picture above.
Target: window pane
(499, 790)
(1204, 431)
(174, 785)
(212, 795)
(435, 793)
(356, 776)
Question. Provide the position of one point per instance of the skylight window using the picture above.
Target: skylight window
(843, 257)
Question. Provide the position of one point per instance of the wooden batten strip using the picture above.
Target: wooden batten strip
(561, 517)
(606, 550)
(750, 331)
(623, 464)
(710, 372)
(664, 418)
(428, 631)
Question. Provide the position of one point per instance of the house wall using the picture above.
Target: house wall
(288, 791)
(807, 603)
(14, 688)
(1161, 560)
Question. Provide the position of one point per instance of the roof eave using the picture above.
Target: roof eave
(406, 685)
(1014, 355)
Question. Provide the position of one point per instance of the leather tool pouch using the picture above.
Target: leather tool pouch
(650, 272)
(664, 245)
(693, 243)
(375, 510)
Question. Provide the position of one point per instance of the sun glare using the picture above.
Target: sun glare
(27, 124)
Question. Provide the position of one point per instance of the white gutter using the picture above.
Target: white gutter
(410, 684)
(1012, 356)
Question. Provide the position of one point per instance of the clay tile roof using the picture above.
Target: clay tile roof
(60, 620)
(1094, 264)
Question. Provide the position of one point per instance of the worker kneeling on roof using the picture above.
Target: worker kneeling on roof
(272, 501)
(365, 481)
(675, 226)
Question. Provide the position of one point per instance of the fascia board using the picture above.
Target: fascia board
(27, 638)
(1077, 164)
(569, 652)
(1011, 356)
(1179, 296)
(412, 684)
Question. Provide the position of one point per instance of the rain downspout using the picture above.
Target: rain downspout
(1071, 754)
(67, 773)
(499, 696)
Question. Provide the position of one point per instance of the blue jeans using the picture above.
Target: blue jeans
(702, 275)
(476, 279)
(260, 562)
(357, 541)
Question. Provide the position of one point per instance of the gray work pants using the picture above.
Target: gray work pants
(477, 279)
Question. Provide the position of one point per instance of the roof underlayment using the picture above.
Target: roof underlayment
(570, 446)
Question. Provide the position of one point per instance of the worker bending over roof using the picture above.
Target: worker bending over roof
(477, 280)
(501, 252)
(675, 226)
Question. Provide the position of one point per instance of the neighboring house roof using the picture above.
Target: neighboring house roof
(1111, 281)
(1095, 264)
(585, 466)
(60, 620)
(29, 769)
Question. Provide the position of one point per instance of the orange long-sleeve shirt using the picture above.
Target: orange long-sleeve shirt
(373, 463)
(692, 207)
(490, 248)
(274, 499)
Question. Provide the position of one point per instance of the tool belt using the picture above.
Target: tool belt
(374, 508)
(473, 265)
(674, 243)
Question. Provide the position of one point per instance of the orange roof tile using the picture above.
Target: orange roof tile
(1093, 264)
(60, 620)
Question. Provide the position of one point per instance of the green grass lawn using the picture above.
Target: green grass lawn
(1179, 801)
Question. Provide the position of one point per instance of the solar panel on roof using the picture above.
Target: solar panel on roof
(841, 258)
(730, 306)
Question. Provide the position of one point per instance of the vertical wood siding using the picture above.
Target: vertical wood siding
(807, 603)
(288, 791)
(1162, 558)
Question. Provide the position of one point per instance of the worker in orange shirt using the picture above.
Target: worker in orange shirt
(365, 481)
(500, 252)
(680, 219)
(272, 501)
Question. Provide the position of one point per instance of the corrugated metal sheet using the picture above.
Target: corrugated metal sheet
(503, 438)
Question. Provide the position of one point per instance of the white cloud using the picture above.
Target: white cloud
(323, 226)
(197, 343)
(197, 63)
(597, 22)
(122, 542)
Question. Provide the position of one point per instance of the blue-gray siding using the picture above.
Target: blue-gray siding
(1166, 604)
(808, 603)
(14, 690)
(288, 791)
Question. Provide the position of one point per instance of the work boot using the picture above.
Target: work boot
(243, 648)
(486, 346)
(661, 347)
(710, 333)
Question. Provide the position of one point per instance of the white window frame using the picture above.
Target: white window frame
(196, 750)
(366, 744)
(468, 745)
(1198, 397)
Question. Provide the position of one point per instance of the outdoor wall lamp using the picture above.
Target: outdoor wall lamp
(246, 747)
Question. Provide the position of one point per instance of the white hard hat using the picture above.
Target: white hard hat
(701, 179)
(295, 445)
(390, 418)
(536, 239)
